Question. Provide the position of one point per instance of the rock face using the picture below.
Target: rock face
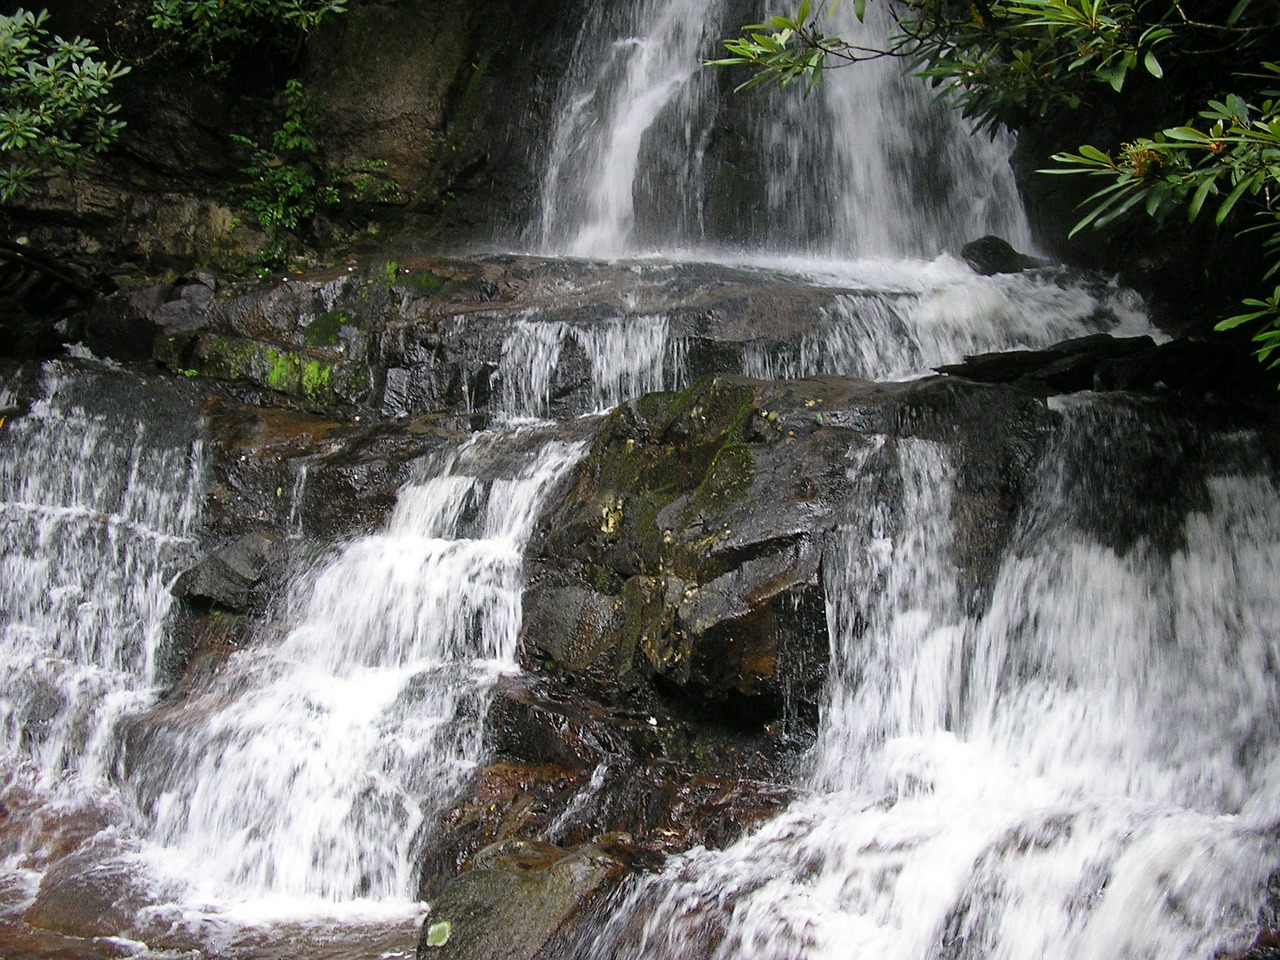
(688, 552)
(517, 897)
(424, 99)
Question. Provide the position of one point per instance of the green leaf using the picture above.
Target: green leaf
(1234, 17)
(1153, 65)
(1240, 189)
(1187, 134)
(1230, 323)
(1090, 152)
(1207, 186)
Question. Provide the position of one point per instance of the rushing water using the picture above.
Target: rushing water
(315, 766)
(1083, 768)
(648, 154)
(311, 768)
(97, 514)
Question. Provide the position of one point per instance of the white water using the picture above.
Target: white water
(626, 358)
(98, 509)
(647, 155)
(314, 766)
(305, 776)
(1082, 769)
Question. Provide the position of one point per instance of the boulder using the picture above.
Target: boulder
(991, 255)
(518, 895)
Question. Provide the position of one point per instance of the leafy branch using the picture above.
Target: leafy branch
(213, 29)
(54, 106)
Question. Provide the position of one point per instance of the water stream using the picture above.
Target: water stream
(1082, 767)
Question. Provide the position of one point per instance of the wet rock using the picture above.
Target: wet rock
(991, 255)
(1104, 362)
(92, 892)
(228, 577)
(516, 898)
(689, 549)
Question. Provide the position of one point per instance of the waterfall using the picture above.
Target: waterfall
(98, 513)
(650, 153)
(1082, 768)
(315, 765)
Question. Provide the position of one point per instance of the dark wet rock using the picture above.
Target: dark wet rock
(393, 338)
(91, 892)
(1104, 362)
(228, 577)
(569, 769)
(675, 639)
(991, 255)
(517, 896)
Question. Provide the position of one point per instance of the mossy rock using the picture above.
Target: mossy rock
(318, 378)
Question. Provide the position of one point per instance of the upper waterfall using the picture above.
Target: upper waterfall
(651, 152)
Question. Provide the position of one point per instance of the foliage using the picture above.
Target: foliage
(284, 191)
(787, 48)
(1228, 156)
(55, 109)
(287, 185)
(213, 29)
(1012, 62)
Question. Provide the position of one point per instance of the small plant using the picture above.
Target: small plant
(284, 191)
(55, 109)
(287, 186)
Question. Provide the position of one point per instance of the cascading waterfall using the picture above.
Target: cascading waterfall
(313, 767)
(1081, 768)
(648, 155)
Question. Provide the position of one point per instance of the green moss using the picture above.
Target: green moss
(251, 361)
(283, 372)
(315, 380)
(388, 273)
(323, 330)
(424, 281)
(656, 408)
(728, 477)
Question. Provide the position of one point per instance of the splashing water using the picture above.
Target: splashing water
(1081, 769)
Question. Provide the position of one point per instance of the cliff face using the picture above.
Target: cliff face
(439, 100)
